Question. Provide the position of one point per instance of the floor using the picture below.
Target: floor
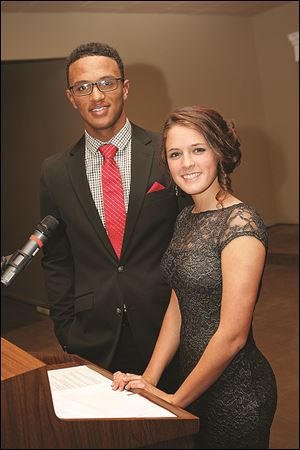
(275, 329)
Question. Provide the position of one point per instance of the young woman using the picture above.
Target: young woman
(214, 264)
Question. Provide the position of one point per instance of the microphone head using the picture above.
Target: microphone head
(48, 225)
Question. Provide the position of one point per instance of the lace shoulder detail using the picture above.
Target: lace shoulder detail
(243, 220)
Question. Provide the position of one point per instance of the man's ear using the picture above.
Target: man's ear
(70, 97)
(125, 89)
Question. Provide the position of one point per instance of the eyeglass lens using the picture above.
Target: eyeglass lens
(102, 85)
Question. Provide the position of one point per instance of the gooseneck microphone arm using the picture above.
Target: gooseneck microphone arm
(13, 264)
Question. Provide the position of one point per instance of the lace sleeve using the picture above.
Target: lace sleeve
(243, 221)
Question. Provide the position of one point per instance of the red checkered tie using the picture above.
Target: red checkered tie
(114, 208)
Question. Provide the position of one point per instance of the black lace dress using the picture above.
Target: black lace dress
(236, 412)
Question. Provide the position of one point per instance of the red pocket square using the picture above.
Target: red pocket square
(156, 187)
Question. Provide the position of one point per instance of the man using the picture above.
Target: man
(102, 268)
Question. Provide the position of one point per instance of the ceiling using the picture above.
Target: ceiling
(236, 8)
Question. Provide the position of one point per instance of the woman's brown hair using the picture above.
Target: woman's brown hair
(220, 135)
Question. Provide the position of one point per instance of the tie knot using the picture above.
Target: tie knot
(108, 151)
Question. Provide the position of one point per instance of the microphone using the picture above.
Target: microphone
(21, 258)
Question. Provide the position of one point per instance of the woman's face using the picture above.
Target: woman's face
(192, 162)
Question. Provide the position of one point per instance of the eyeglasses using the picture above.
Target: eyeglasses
(108, 85)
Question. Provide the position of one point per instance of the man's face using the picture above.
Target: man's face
(102, 112)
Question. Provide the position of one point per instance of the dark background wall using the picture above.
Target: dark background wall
(32, 97)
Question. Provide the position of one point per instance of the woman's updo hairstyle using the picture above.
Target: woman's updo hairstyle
(220, 135)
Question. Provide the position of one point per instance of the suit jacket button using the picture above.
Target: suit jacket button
(120, 268)
(119, 311)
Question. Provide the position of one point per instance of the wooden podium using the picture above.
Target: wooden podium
(28, 419)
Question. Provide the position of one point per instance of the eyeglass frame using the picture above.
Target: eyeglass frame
(96, 83)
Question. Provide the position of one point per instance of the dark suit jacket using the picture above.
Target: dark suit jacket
(87, 285)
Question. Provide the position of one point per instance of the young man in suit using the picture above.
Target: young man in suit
(107, 299)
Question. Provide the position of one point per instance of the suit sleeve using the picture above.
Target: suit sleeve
(58, 267)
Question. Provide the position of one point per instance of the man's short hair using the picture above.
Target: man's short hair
(94, 49)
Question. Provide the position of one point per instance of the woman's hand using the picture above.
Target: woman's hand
(130, 381)
(119, 382)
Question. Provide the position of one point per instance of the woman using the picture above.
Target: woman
(214, 264)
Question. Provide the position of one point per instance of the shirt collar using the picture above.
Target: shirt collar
(120, 140)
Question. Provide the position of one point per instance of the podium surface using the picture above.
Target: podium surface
(28, 419)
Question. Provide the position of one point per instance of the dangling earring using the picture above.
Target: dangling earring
(176, 190)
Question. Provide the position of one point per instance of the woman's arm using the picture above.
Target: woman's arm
(242, 263)
(167, 342)
(165, 347)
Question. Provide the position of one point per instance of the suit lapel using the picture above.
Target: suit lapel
(142, 151)
(77, 173)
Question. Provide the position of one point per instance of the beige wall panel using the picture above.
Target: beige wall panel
(171, 61)
(279, 79)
